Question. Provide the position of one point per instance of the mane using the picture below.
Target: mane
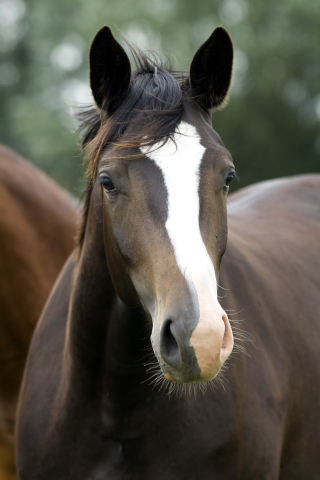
(154, 104)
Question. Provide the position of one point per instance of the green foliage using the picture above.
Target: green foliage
(271, 124)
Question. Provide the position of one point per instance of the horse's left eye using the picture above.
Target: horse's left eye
(231, 175)
(107, 183)
(229, 178)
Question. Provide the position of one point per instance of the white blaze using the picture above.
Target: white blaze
(180, 162)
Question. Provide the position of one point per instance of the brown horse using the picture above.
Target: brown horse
(37, 229)
(136, 306)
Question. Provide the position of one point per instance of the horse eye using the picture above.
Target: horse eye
(107, 183)
(231, 175)
(229, 178)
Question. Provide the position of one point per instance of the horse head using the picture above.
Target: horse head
(160, 176)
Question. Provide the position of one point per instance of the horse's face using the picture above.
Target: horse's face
(165, 231)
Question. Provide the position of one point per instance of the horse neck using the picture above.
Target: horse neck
(106, 340)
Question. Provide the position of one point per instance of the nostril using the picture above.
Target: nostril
(227, 342)
(169, 348)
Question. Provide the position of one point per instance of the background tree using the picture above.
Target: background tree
(271, 124)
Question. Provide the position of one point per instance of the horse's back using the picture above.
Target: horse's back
(273, 198)
(271, 273)
(37, 231)
(274, 229)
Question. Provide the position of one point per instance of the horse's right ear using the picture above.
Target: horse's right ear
(110, 71)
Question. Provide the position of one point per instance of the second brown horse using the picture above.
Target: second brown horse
(37, 230)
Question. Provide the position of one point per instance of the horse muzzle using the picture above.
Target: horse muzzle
(189, 350)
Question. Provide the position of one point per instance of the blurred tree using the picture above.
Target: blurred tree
(271, 124)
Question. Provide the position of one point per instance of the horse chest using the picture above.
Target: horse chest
(170, 441)
(177, 438)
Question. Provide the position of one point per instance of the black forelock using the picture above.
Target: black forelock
(154, 90)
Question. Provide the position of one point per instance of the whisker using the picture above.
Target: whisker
(227, 289)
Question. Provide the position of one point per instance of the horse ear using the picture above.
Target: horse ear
(211, 70)
(110, 71)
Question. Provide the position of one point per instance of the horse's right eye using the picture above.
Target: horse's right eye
(107, 183)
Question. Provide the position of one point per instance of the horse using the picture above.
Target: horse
(122, 378)
(37, 233)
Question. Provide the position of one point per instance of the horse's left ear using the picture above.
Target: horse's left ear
(110, 71)
(211, 70)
